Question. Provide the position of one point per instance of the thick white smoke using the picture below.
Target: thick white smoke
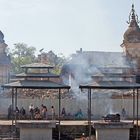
(83, 66)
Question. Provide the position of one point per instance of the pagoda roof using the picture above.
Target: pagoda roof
(37, 75)
(110, 85)
(36, 84)
(119, 75)
(37, 66)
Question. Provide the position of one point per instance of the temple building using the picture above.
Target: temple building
(131, 42)
(108, 65)
(5, 62)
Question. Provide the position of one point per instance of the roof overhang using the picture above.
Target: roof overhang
(36, 84)
(110, 85)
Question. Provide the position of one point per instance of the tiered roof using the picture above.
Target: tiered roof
(33, 80)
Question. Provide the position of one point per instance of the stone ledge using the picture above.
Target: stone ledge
(36, 124)
(110, 125)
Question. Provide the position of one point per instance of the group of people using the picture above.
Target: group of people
(39, 113)
(34, 112)
(19, 113)
(42, 113)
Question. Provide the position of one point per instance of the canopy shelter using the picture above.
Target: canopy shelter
(39, 82)
(117, 85)
(32, 84)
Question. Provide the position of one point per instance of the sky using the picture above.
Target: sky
(65, 26)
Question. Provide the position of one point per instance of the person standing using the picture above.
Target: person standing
(22, 113)
(63, 113)
(123, 113)
(45, 113)
(53, 112)
(31, 110)
(9, 112)
(17, 112)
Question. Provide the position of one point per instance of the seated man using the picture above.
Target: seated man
(79, 114)
(37, 115)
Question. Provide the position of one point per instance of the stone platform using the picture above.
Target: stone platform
(112, 130)
(36, 130)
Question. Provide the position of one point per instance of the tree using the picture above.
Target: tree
(22, 54)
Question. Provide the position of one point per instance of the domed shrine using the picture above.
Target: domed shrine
(132, 34)
(131, 41)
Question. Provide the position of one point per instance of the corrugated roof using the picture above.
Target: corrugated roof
(111, 85)
(36, 84)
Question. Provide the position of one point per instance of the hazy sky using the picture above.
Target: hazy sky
(65, 26)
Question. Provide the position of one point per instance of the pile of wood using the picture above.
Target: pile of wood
(37, 93)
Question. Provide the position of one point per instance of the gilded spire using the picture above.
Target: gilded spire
(132, 34)
(133, 18)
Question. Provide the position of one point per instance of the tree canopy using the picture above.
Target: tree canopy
(22, 54)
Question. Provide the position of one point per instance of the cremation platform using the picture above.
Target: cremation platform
(36, 130)
(112, 130)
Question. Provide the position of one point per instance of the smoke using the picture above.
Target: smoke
(78, 71)
(84, 65)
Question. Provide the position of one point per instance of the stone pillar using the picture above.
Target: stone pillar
(36, 130)
(112, 130)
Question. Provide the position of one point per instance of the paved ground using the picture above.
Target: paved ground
(65, 122)
(9, 122)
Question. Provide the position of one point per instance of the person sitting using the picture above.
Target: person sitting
(83, 137)
(37, 114)
(79, 114)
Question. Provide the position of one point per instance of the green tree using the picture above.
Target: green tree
(22, 54)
